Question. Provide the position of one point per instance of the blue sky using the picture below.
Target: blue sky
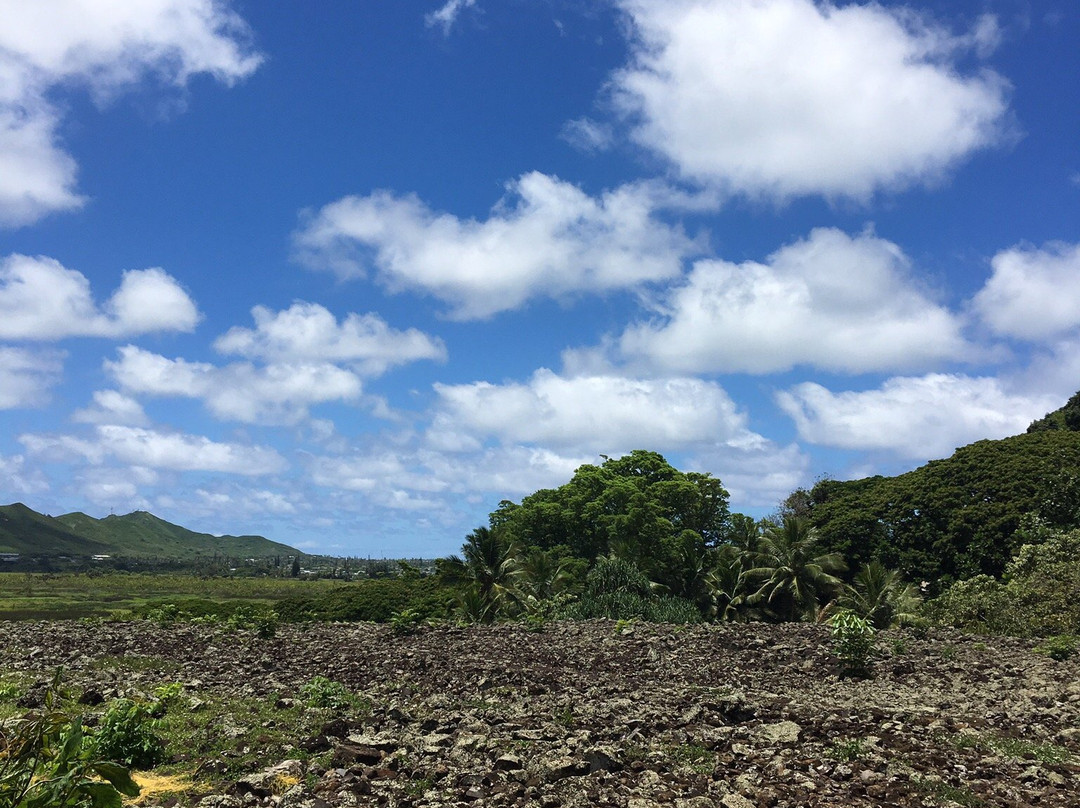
(347, 274)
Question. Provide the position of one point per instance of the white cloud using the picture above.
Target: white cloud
(271, 394)
(16, 478)
(755, 476)
(307, 332)
(1033, 294)
(782, 98)
(105, 46)
(407, 478)
(588, 414)
(154, 449)
(446, 15)
(587, 135)
(916, 417)
(40, 299)
(547, 237)
(831, 300)
(26, 376)
(112, 407)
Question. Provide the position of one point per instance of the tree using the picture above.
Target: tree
(795, 578)
(882, 597)
(485, 569)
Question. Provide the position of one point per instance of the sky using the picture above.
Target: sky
(347, 274)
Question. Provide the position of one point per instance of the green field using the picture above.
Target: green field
(44, 596)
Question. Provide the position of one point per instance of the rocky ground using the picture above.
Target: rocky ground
(595, 713)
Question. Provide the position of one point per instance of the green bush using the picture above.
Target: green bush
(853, 643)
(263, 621)
(46, 761)
(128, 734)
(325, 693)
(617, 590)
(373, 600)
(1061, 647)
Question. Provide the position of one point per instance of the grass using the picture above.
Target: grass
(1016, 748)
(697, 758)
(942, 792)
(60, 596)
(846, 751)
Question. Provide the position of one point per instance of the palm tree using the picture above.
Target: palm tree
(882, 597)
(486, 569)
(729, 584)
(794, 577)
(539, 575)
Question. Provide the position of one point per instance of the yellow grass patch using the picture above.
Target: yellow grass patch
(152, 784)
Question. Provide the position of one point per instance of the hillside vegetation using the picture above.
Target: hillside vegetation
(134, 535)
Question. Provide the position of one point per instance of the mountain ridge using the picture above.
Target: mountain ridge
(139, 534)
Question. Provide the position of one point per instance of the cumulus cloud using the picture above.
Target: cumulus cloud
(112, 407)
(783, 98)
(270, 394)
(915, 417)
(1033, 294)
(609, 414)
(106, 47)
(446, 15)
(17, 478)
(832, 301)
(26, 376)
(155, 449)
(40, 299)
(307, 332)
(547, 237)
(413, 478)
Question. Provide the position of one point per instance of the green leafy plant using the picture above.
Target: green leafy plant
(264, 622)
(326, 693)
(128, 734)
(47, 761)
(406, 621)
(847, 751)
(853, 643)
(1061, 647)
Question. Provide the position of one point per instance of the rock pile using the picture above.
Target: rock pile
(594, 714)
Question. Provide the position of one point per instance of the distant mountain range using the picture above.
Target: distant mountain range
(134, 535)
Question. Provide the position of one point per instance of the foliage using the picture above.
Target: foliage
(629, 505)
(262, 621)
(955, 518)
(853, 642)
(47, 761)
(405, 622)
(882, 597)
(326, 693)
(484, 572)
(795, 579)
(616, 589)
(375, 600)
(128, 734)
(1036, 598)
(1061, 647)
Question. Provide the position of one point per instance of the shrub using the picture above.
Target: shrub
(264, 622)
(46, 761)
(373, 600)
(1061, 647)
(853, 643)
(128, 734)
(326, 693)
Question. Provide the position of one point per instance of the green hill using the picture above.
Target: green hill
(957, 517)
(135, 535)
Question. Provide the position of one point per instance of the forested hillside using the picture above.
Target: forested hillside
(134, 535)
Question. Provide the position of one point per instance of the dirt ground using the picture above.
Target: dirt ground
(597, 713)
